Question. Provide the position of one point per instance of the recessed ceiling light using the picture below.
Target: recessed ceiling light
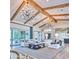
(47, 0)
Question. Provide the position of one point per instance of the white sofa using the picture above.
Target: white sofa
(49, 45)
(56, 46)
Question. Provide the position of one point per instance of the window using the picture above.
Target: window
(15, 36)
(27, 33)
(38, 35)
(22, 35)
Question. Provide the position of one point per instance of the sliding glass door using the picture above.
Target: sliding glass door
(15, 36)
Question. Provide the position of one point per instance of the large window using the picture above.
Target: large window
(15, 34)
(23, 35)
(18, 34)
(27, 33)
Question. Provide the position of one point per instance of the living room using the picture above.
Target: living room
(41, 43)
(39, 29)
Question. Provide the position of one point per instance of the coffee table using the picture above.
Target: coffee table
(36, 45)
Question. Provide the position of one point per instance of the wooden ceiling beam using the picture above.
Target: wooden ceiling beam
(32, 17)
(57, 6)
(62, 19)
(40, 21)
(17, 11)
(42, 25)
(62, 29)
(36, 6)
(19, 24)
(60, 15)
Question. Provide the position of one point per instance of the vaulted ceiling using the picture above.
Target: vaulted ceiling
(41, 12)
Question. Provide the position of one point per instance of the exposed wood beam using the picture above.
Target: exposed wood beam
(42, 25)
(40, 21)
(19, 24)
(62, 19)
(36, 6)
(32, 17)
(60, 15)
(17, 11)
(57, 6)
(61, 29)
(57, 20)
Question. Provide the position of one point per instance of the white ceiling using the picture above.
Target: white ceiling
(20, 15)
(39, 17)
(58, 11)
(61, 17)
(14, 4)
(42, 3)
(43, 22)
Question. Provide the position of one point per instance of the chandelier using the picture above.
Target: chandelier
(26, 12)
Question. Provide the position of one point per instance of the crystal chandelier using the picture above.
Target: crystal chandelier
(25, 14)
